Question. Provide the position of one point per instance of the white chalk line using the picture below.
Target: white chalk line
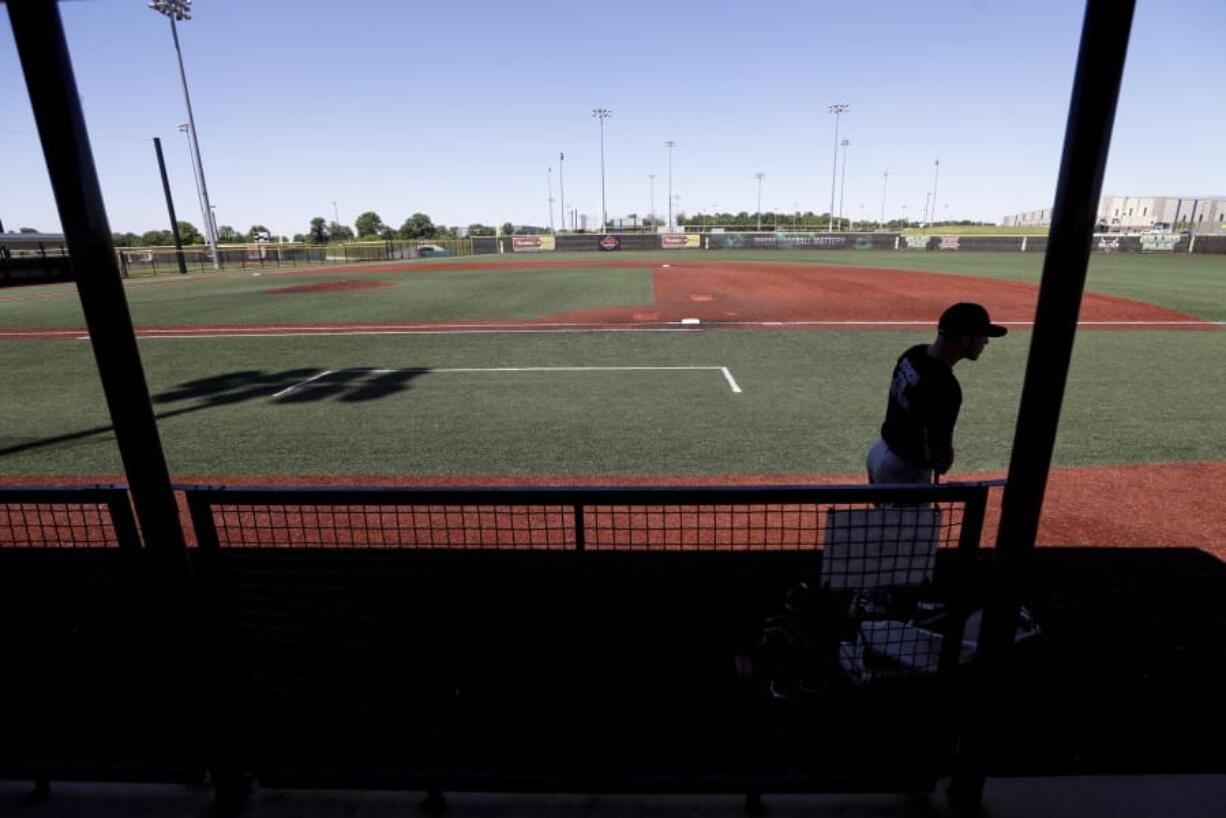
(311, 379)
(732, 384)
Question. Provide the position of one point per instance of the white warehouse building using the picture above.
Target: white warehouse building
(1132, 214)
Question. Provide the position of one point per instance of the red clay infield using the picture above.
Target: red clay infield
(735, 295)
(338, 286)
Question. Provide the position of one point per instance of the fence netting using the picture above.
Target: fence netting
(57, 525)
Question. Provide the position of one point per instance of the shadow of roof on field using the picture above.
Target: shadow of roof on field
(303, 385)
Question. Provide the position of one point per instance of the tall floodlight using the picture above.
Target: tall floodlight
(186, 130)
(336, 216)
(652, 210)
(759, 176)
(838, 109)
(927, 219)
(561, 190)
(181, 10)
(601, 114)
(935, 179)
(843, 181)
(670, 144)
(549, 187)
(885, 178)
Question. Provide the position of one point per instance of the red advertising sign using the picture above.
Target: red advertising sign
(610, 243)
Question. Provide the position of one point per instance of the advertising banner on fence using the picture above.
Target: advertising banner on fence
(948, 243)
(532, 244)
(916, 242)
(679, 241)
(1159, 243)
(610, 242)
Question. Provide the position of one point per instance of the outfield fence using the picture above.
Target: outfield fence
(499, 638)
(820, 240)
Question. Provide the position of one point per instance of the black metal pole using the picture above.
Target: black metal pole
(170, 207)
(1087, 138)
(49, 78)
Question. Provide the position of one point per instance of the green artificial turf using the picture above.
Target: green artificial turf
(812, 403)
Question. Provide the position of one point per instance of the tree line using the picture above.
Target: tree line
(807, 221)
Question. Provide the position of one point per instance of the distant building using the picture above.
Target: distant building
(1125, 214)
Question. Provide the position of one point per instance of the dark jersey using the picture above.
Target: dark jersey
(924, 394)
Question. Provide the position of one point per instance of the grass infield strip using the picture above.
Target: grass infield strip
(732, 384)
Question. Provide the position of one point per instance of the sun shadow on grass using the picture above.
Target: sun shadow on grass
(300, 385)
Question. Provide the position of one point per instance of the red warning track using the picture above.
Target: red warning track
(740, 295)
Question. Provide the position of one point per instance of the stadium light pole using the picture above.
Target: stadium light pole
(652, 210)
(549, 186)
(838, 109)
(601, 114)
(670, 144)
(759, 176)
(885, 179)
(186, 130)
(336, 215)
(181, 10)
(843, 181)
(561, 190)
(935, 179)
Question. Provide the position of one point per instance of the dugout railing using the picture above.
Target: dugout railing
(552, 639)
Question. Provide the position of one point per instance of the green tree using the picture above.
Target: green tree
(298, 238)
(27, 230)
(507, 228)
(188, 234)
(339, 232)
(369, 225)
(387, 233)
(479, 229)
(318, 234)
(158, 238)
(259, 232)
(417, 226)
(228, 235)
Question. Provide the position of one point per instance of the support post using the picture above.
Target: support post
(1087, 138)
(170, 207)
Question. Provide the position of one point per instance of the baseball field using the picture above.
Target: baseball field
(668, 368)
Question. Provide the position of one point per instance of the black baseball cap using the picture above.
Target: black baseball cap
(965, 318)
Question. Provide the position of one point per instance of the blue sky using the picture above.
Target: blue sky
(458, 109)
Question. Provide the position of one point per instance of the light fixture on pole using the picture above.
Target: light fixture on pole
(336, 216)
(759, 176)
(601, 114)
(843, 182)
(935, 179)
(670, 144)
(927, 220)
(181, 10)
(838, 109)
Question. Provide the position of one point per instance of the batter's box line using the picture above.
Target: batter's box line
(727, 373)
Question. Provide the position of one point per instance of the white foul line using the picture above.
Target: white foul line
(732, 384)
(311, 379)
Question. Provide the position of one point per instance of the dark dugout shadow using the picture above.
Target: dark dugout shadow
(346, 385)
(1127, 676)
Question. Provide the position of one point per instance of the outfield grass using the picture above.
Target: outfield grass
(811, 404)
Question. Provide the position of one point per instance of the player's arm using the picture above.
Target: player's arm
(938, 449)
